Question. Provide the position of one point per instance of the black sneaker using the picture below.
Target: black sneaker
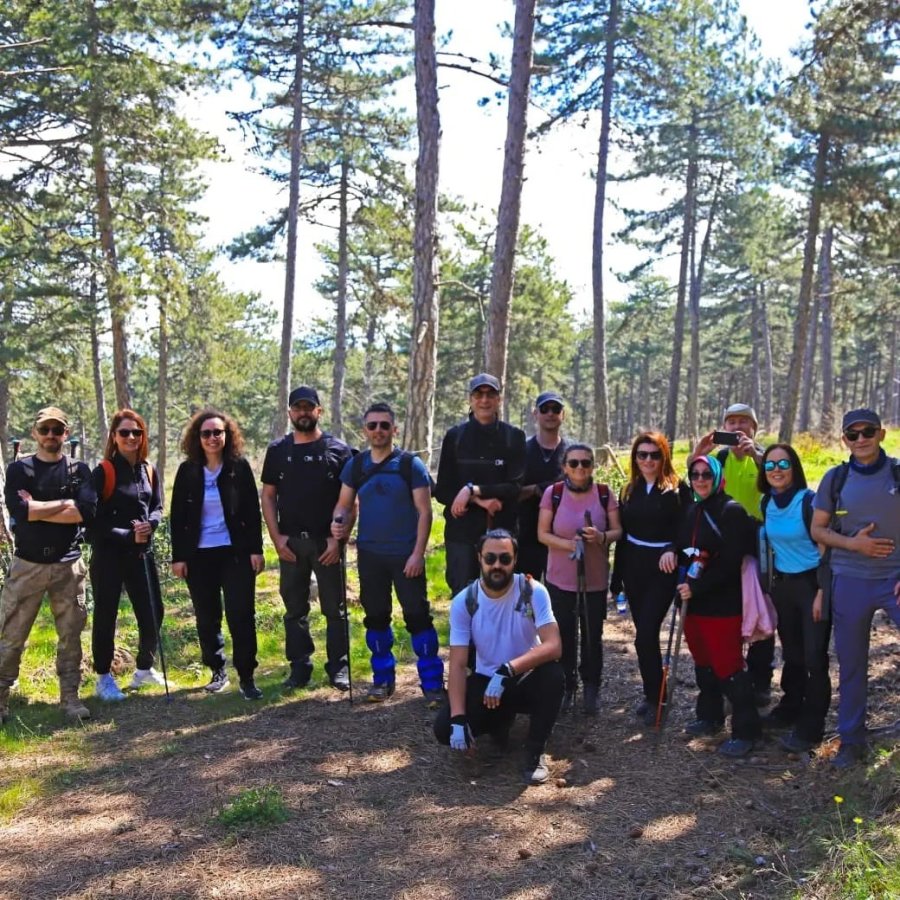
(735, 748)
(378, 693)
(703, 728)
(591, 700)
(218, 682)
(340, 679)
(299, 677)
(534, 768)
(250, 691)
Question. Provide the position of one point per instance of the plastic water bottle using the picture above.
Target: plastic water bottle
(621, 604)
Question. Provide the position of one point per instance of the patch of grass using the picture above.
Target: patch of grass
(254, 806)
(15, 797)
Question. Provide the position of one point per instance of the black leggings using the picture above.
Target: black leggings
(564, 605)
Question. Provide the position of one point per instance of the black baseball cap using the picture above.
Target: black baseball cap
(860, 416)
(299, 394)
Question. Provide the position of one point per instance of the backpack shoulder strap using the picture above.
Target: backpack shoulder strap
(764, 504)
(27, 464)
(603, 494)
(356, 472)
(837, 484)
(472, 598)
(524, 604)
(807, 509)
(109, 478)
(556, 493)
(406, 468)
(722, 455)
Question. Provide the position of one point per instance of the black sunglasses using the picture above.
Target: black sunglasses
(772, 464)
(584, 463)
(384, 426)
(853, 435)
(551, 408)
(701, 475)
(129, 432)
(55, 430)
(648, 454)
(207, 433)
(504, 559)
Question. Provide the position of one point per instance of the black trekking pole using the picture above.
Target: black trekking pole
(662, 706)
(16, 444)
(667, 690)
(343, 564)
(152, 596)
(580, 605)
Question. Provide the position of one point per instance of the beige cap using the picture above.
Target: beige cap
(51, 414)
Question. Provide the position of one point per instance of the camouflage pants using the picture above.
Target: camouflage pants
(63, 583)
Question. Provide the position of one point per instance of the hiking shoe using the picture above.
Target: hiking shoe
(378, 693)
(147, 678)
(793, 743)
(591, 700)
(4, 705)
(703, 728)
(341, 680)
(534, 768)
(218, 682)
(249, 690)
(74, 709)
(735, 748)
(434, 699)
(107, 690)
(299, 677)
(778, 718)
(848, 756)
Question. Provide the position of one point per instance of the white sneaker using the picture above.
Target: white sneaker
(145, 677)
(107, 689)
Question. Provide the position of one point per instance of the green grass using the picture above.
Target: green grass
(17, 796)
(257, 807)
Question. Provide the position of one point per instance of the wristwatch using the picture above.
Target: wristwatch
(471, 488)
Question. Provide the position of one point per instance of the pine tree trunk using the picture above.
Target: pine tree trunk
(755, 350)
(339, 364)
(419, 429)
(162, 387)
(801, 325)
(826, 292)
(496, 337)
(96, 368)
(808, 366)
(769, 394)
(279, 419)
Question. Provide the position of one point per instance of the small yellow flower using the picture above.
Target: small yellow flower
(838, 799)
(857, 820)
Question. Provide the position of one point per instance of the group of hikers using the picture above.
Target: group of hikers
(528, 536)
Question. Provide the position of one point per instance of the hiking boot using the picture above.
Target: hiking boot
(341, 680)
(848, 756)
(378, 693)
(249, 690)
(4, 705)
(218, 682)
(147, 678)
(645, 713)
(735, 748)
(74, 709)
(793, 743)
(434, 699)
(703, 728)
(591, 700)
(534, 768)
(778, 718)
(299, 676)
(107, 690)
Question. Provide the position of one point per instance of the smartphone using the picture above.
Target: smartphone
(726, 438)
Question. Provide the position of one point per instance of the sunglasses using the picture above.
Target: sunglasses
(868, 432)
(381, 424)
(129, 432)
(701, 475)
(554, 408)
(504, 559)
(584, 463)
(207, 433)
(55, 430)
(486, 392)
(648, 454)
(772, 464)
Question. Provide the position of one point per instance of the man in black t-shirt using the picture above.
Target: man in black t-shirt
(544, 453)
(301, 485)
(49, 498)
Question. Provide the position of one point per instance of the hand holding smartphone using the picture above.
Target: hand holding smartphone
(726, 438)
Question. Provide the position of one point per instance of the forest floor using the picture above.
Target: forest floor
(305, 795)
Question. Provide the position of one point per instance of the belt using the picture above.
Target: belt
(303, 535)
(640, 543)
(790, 576)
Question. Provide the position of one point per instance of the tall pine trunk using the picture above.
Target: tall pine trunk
(826, 293)
(339, 363)
(96, 367)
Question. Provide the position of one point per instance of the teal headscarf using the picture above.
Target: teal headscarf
(715, 467)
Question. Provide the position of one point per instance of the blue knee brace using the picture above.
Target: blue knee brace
(429, 664)
(379, 643)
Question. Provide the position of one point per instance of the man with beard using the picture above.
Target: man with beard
(509, 620)
(50, 498)
(301, 485)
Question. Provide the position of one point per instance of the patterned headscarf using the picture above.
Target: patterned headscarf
(715, 467)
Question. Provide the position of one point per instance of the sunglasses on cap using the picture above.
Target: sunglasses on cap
(648, 454)
(381, 424)
(504, 559)
(772, 464)
(701, 475)
(584, 463)
(853, 434)
(55, 430)
(554, 408)
(207, 433)
(129, 432)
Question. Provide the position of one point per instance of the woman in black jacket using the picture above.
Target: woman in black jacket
(651, 507)
(129, 509)
(217, 543)
(714, 536)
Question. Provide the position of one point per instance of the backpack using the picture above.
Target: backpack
(557, 492)
(523, 604)
(358, 477)
(109, 477)
(806, 508)
(73, 482)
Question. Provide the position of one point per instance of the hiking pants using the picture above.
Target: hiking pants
(590, 629)
(377, 574)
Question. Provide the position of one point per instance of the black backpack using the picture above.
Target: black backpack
(358, 477)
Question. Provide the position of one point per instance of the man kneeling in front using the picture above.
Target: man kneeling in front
(509, 621)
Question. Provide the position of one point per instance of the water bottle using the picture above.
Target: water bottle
(621, 604)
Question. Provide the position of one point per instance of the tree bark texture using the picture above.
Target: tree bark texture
(826, 293)
(96, 368)
(339, 363)
(419, 428)
(496, 338)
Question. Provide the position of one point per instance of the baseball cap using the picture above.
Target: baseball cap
(858, 416)
(548, 397)
(483, 380)
(51, 414)
(741, 409)
(299, 394)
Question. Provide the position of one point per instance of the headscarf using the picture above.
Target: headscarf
(715, 467)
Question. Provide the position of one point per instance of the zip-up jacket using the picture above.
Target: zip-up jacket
(135, 496)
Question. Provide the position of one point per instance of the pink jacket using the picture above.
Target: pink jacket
(760, 617)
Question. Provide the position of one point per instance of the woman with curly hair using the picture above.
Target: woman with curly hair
(651, 507)
(129, 509)
(217, 544)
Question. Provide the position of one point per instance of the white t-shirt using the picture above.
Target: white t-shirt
(499, 631)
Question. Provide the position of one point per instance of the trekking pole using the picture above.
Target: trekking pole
(16, 445)
(578, 556)
(671, 673)
(343, 564)
(152, 595)
(662, 706)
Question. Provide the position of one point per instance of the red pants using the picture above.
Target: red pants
(716, 642)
